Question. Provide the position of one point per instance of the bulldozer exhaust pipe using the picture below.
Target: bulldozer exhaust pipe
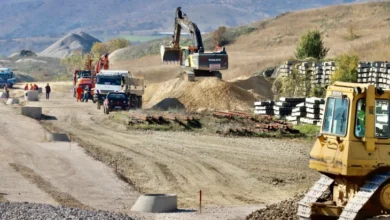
(169, 54)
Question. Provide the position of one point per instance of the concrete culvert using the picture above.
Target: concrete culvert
(12, 101)
(156, 203)
(31, 95)
(57, 137)
(32, 112)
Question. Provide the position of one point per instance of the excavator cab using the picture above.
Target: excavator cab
(352, 154)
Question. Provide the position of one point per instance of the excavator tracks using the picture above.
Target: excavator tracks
(352, 208)
(319, 188)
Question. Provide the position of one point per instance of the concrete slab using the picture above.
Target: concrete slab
(32, 112)
(57, 137)
(156, 203)
(31, 95)
(3, 95)
(12, 101)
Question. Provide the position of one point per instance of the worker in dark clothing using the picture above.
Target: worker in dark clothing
(48, 90)
(86, 94)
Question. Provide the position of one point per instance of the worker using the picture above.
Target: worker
(26, 87)
(31, 86)
(6, 90)
(86, 94)
(35, 87)
(79, 92)
(48, 90)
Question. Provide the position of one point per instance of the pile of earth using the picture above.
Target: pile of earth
(204, 94)
(69, 44)
(259, 86)
(285, 210)
(23, 53)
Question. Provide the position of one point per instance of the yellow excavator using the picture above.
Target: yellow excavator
(193, 58)
(352, 153)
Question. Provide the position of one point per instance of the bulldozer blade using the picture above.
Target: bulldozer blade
(169, 54)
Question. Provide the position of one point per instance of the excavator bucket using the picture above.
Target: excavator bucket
(169, 54)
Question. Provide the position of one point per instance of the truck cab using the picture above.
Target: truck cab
(7, 77)
(108, 81)
(83, 78)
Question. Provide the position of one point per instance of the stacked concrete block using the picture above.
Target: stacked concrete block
(319, 72)
(297, 113)
(264, 108)
(284, 106)
(376, 73)
(286, 68)
(313, 112)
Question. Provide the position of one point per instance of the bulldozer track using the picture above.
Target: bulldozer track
(353, 207)
(315, 192)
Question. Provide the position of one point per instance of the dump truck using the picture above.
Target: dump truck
(352, 154)
(85, 77)
(195, 61)
(7, 77)
(118, 81)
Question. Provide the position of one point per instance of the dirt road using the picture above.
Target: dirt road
(229, 171)
(33, 170)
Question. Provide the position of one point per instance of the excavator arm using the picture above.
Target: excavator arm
(172, 53)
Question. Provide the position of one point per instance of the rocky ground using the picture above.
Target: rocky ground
(22, 211)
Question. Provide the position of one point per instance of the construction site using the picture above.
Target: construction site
(176, 136)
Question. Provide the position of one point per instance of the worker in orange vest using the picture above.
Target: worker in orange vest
(79, 92)
(31, 86)
(26, 87)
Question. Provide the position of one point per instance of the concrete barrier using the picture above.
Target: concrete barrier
(12, 101)
(31, 95)
(32, 112)
(57, 137)
(3, 95)
(156, 203)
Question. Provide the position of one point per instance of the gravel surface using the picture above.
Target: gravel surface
(285, 210)
(26, 210)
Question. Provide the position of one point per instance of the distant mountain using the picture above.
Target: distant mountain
(52, 18)
(69, 44)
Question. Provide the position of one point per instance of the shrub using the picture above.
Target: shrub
(311, 45)
(346, 68)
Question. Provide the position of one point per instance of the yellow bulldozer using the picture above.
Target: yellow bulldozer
(352, 153)
(193, 58)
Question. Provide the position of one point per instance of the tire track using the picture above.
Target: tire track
(61, 197)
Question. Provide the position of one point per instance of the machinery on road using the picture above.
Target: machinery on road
(116, 81)
(7, 77)
(193, 58)
(85, 78)
(352, 153)
(116, 101)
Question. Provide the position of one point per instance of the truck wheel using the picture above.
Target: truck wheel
(98, 105)
(139, 100)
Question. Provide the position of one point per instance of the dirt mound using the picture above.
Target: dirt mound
(23, 53)
(256, 85)
(285, 210)
(169, 103)
(68, 44)
(205, 94)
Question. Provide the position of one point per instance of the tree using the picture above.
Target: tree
(98, 49)
(218, 37)
(74, 61)
(346, 68)
(116, 44)
(311, 45)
